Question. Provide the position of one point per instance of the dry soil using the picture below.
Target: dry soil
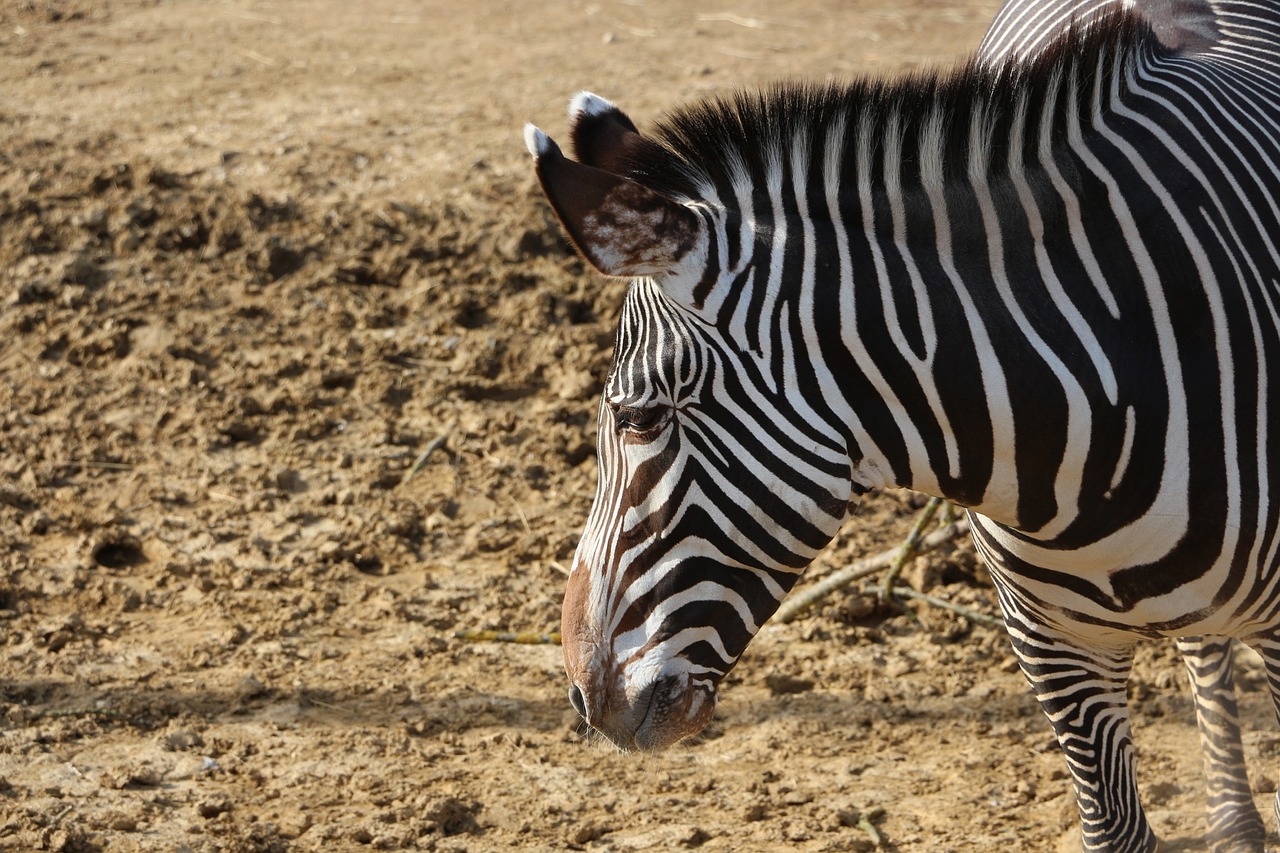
(297, 379)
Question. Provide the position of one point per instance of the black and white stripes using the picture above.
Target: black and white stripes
(1045, 286)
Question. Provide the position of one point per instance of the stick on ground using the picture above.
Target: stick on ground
(909, 549)
(941, 603)
(432, 446)
(805, 598)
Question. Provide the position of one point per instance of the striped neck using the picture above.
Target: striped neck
(882, 213)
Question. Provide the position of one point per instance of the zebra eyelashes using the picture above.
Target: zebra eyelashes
(641, 421)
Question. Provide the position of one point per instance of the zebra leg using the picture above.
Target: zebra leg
(1234, 823)
(1081, 689)
(1269, 649)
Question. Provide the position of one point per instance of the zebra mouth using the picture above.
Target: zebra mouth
(645, 733)
(674, 709)
(647, 718)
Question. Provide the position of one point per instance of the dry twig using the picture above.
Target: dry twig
(909, 548)
(865, 824)
(730, 18)
(805, 598)
(933, 601)
(432, 446)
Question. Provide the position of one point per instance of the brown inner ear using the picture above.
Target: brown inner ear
(576, 192)
(620, 226)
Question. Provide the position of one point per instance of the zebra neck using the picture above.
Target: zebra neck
(897, 224)
(963, 325)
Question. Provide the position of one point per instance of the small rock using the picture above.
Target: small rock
(797, 833)
(848, 816)
(666, 837)
(37, 523)
(142, 775)
(797, 798)
(1024, 791)
(899, 666)
(251, 406)
(293, 825)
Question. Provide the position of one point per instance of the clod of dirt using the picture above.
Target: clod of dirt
(55, 636)
(251, 688)
(142, 774)
(181, 740)
(291, 481)
(589, 832)
(212, 806)
(453, 816)
(781, 684)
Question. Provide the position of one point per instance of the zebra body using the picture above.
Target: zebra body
(1046, 287)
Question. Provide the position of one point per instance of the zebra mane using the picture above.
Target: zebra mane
(934, 124)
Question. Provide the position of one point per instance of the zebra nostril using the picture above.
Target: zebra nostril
(575, 699)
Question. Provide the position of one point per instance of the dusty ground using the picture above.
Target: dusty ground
(256, 258)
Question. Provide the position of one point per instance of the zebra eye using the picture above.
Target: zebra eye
(638, 420)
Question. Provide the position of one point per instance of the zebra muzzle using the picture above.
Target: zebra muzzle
(653, 717)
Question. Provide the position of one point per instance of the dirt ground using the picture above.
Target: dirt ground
(297, 380)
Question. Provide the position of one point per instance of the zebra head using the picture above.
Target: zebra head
(721, 473)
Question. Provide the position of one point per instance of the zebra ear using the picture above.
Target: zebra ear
(603, 135)
(620, 226)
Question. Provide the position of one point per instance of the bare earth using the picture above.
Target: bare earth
(257, 258)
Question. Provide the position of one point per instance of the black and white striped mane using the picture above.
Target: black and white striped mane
(956, 115)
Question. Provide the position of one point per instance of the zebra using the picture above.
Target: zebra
(1044, 286)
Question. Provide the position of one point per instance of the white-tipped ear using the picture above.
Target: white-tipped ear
(535, 140)
(603, 135)
(588, 104)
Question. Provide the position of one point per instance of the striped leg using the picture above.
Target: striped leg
(1234, 823)
(1270, 651)
(1082, 691)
